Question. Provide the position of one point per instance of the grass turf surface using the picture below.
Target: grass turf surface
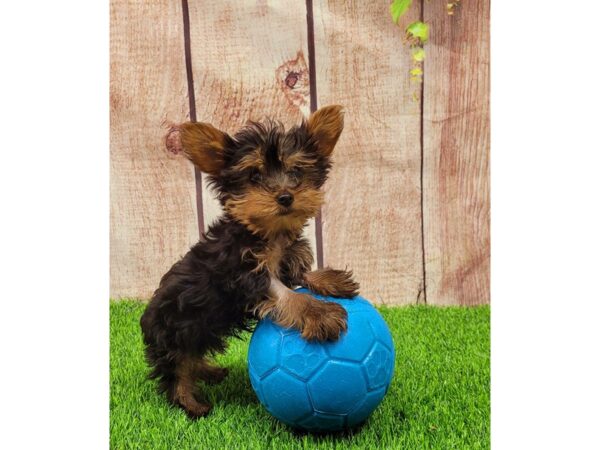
(439, 397)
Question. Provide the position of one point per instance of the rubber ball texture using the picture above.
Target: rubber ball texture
(323, 386)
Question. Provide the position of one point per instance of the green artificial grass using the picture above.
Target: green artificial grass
(439, 397)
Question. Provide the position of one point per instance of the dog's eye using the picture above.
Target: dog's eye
(255, 176)
(295, 174)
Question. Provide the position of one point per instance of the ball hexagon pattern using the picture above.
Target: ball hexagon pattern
(323, 386)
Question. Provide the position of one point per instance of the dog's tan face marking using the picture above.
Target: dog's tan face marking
(253, 160)
(297, 160)
(259, 211)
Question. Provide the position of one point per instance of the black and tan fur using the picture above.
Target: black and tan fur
(247, 263)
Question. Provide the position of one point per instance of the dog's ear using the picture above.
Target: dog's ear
(201, 143)
(325, 126)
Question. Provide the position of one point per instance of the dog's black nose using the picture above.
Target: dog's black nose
(285, 199)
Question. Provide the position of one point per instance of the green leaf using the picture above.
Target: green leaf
(418, 54)
(398, 8)
(418, 30)
(416, 72)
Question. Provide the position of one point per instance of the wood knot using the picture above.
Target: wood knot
(292, 79)
(173, 141)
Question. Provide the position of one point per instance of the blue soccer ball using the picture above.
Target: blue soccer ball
(323, 386)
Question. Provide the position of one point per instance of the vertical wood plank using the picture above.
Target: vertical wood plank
(372, 215)
(456, 154)
(153, 218)
(242, 54)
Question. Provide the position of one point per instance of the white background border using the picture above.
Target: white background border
(54, 224)
(545, 224)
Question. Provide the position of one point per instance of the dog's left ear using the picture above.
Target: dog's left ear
(325, 126)
(201, 143)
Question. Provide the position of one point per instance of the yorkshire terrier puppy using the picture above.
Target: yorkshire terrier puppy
(245, 266)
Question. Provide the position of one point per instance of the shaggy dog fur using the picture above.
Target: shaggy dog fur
(268, 181)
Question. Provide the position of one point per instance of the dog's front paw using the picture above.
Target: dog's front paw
(324, 321)
(344, 285)
(332, 282)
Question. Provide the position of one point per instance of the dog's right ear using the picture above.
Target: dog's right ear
(325, 126)
(201, 143)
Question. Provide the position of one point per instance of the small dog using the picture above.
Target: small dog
(268, 181)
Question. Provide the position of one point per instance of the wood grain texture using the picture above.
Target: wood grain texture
(372, 214)
(456, 155)
(249, 61)
(153, 218)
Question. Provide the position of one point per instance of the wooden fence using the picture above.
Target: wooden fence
(407, 203)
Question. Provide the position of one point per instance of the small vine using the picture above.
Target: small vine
(451, 6)
(416, 35)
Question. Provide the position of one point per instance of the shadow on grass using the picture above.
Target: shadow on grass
(323, 436)
(318, 436)
(341, 435)
(234, 390)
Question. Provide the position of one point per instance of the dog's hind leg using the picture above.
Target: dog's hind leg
(209, 373)
(185, 393)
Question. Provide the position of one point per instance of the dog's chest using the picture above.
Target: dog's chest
(273, 255)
